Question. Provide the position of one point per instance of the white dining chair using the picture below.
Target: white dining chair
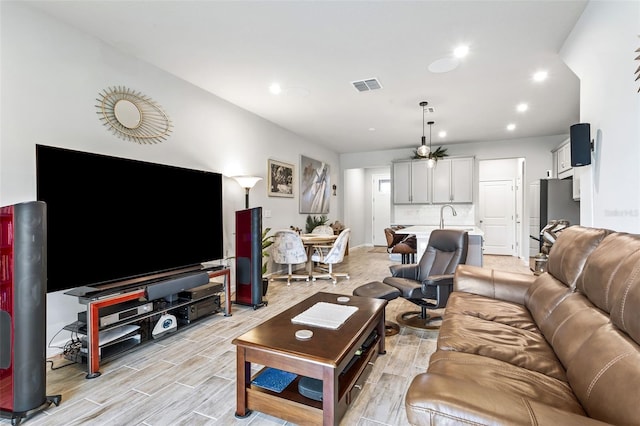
(323, 229)
(288, 249)
(331, 255)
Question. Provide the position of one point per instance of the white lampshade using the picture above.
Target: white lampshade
(247, 181)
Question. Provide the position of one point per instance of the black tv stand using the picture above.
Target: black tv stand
(95, 301)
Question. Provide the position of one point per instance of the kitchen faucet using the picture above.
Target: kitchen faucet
(442, 211)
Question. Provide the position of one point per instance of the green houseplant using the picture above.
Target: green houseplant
(267, 241)
(313, 221)
(438, 154)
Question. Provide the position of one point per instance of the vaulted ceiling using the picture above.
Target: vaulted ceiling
(315, 50)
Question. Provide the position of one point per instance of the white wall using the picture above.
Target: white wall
(51, 77)
(601, 50)
(354, 210)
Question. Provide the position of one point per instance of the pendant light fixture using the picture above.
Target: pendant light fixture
(423, 150)
(431, 162)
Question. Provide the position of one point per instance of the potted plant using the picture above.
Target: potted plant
(267, 240)
(313, 221)
(436, 155)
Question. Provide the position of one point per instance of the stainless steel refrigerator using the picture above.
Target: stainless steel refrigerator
(550, 199)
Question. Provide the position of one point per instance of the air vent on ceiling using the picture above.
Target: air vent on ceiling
(429, 110)
(368, 84)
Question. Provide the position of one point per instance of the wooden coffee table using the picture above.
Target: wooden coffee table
(325, 356)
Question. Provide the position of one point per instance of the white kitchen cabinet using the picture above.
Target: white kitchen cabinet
(411, 181)
(563, 160)
(453, 180)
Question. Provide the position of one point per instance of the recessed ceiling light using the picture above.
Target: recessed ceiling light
(442, 133)
(540, 76)
(372, 129)
(461, 51)
(511, 127)
(522, 107)
(275, 89)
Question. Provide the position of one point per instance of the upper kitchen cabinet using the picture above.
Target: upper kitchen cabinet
(563, 160)
(411, 181)
(453, 180)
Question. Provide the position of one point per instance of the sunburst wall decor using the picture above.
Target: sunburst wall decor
(132, 116)
(638, 69)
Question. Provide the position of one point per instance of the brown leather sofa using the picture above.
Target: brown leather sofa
(558, 349)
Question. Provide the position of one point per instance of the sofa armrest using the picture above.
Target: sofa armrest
(503, 285)
(435, 399)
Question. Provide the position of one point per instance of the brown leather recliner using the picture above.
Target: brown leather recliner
(403, 244)
(429, 283)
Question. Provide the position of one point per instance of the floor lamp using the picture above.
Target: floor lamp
(247, 182)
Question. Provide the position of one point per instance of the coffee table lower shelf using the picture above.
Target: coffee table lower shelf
(292, 406)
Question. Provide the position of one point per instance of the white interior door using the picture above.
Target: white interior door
(381, 199)
(497, 216)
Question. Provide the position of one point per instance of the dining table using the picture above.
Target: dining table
(311, 240)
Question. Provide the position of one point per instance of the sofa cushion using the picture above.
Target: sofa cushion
(503, 285)
(570, 251)
(611, 280)
(544, 296)
(496, 374)
(436, 399)
(563, 316)
(570, 325)
(605, 376)
(490, 310)
(522, 348)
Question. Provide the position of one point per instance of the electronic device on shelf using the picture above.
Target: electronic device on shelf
(116, 313)
(166, 324)
(109, 336)
(192, 312)
(170, 288)
(202, 291)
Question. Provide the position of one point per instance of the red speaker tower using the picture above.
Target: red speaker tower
(249, 257)
(23, 299)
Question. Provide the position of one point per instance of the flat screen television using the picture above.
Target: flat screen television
(112, 219)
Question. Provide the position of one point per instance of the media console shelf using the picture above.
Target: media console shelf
(96, 302)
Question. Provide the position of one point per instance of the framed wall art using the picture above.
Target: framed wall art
(315, 187)
(280, 179)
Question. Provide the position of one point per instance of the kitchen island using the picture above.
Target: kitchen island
(422, 233)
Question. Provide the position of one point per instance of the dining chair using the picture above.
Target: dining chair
(288, 249)
(403, 244)
(323, 229)
(330, 255)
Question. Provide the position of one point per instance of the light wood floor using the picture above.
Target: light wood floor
(189, 378)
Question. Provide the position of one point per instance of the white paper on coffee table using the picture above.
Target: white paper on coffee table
(325, 315)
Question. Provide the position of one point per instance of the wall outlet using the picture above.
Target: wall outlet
(267, 213)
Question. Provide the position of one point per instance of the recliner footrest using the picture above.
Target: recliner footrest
(377, 290)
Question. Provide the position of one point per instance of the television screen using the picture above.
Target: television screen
(111, 219)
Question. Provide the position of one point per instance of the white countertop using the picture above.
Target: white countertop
(425, 230)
